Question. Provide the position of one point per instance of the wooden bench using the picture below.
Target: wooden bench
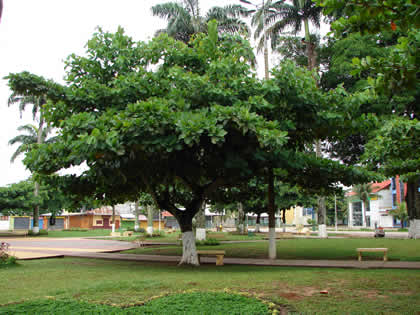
(372, 250)
(218, 253)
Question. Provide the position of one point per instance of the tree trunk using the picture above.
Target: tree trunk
(272, 254)
(364, 214)
(189, 250)
(136, 215)
(241, 216)
(113, 218)
(150, 220)
(413, 207)
(200, 219)
(35, 228)
(257, 223)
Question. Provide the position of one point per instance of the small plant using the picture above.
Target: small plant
(311, 222)
(5, 257)
(157, 234)
(209, 242)
(139, 230)
(76, 230)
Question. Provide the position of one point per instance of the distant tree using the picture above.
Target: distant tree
(400, 213)
(18, 198)
(27, 142)
(364, 192)
(184, 19)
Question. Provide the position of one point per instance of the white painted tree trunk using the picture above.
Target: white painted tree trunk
(200, 234)
(149, 229)
(136, 216)
(322, 231)
(257, 228)
(414, 230)
(272, 250)
(363, 215)
(35, 230)
(189, 251)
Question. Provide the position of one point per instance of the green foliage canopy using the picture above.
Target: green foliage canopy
(178, 121)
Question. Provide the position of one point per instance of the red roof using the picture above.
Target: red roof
(375, 187)
(379, 186)
(166, 214)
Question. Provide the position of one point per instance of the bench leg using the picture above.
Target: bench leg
(360, 256)
(385, 257)
(198, 257)
(219, 260)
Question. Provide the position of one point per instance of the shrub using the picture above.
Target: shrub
(5, 258)
(139, 230)
(157, 234)
(41, 232)
(209, 242)
(76, 230)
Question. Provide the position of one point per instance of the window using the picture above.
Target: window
(357, 213)
(99, 222)
(393, 185)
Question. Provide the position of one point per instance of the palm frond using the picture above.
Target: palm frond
(237, 10)
(193, 7)
(168, 10)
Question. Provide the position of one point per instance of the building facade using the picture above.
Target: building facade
(385, 197)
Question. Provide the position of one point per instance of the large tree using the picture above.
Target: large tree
(196, 121)
(184, 19)
(394, 83)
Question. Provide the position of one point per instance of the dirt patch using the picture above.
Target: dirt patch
(290, 296)
(291, 293)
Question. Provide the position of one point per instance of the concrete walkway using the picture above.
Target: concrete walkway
(259, 262)
(34, 248)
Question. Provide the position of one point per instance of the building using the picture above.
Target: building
(386, 196)
(100, 218)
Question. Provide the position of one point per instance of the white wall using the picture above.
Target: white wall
(4, 225)
(385, 200)
(386, 221)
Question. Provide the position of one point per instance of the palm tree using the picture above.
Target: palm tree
(364, 192)
(281, 16)
(400, 213)
(184, 19)
(37, 103)
(28, 140)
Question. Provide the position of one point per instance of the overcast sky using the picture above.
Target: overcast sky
(36, 36)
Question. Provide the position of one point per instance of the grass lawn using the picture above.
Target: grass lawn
(76, 233)
(120, 283)
(340, 249)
